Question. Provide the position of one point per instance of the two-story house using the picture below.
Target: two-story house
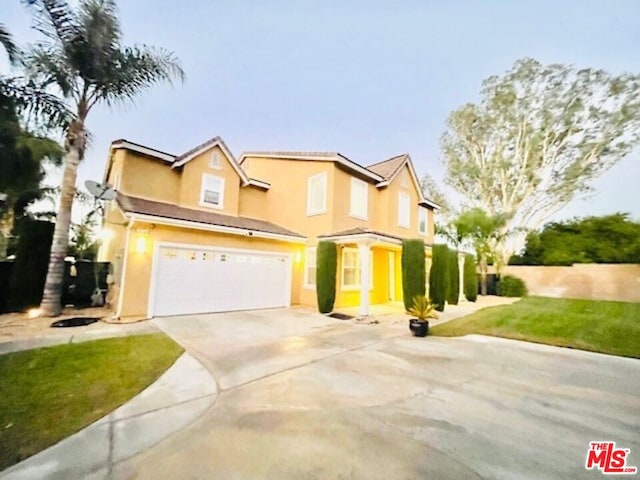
(204, 232)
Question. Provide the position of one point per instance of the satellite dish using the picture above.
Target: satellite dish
(102, 191)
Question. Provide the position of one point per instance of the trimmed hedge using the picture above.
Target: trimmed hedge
(326, 267)
(439, 276)
(414, 278)
(453, 292)
(510, 286)
(470, 278)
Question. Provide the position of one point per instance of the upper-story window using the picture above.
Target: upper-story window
(317, 194)
(404, 178)
(403, 210)
(358, 199)
(422, 220)
(212, 192)
(214, 160)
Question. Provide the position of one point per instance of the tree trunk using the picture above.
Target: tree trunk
(50, 305)
(6, 226)
(483, 275)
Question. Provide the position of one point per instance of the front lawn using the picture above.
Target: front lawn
(598, 326)
(49, 393)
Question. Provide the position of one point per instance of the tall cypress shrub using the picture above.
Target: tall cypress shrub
(439, 276)
(326, 266)
(413, 270)
(470, 278)
(453, 292)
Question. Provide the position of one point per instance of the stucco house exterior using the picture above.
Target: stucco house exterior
(206, 232)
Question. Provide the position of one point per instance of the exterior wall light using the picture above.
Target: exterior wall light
(142, 237)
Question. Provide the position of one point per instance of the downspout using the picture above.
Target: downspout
(124, 268)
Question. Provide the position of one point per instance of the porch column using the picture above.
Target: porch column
(365, 275)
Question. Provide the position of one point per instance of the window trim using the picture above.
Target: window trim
(359, 183)
(408, 210)
(206, 176)
(421, 210)
(305, 283)
(358, 266)
(323, 209)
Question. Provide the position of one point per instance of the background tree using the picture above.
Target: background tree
(22, 155)
(483, 231)
(83, 57)
(537, 137)
(605, 239)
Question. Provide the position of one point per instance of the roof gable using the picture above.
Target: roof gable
(208, 145)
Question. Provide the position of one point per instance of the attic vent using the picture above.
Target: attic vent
(214, 162)
(404, 181)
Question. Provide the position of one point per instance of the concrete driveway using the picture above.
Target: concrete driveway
(303, 396)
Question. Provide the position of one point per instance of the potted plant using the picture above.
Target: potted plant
(422, 309)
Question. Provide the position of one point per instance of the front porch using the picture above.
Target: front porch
(388, 308)
(369, 273)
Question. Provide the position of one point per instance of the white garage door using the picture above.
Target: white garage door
(201, 279)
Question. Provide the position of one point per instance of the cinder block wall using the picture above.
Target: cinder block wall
(589, 281)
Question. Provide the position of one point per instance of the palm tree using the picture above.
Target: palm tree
(84, 59)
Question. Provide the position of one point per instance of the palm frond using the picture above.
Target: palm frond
(55, 19)
(7, 42)
(48, 66)
(135, 69)
(29, 98)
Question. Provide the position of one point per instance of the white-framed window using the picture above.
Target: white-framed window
(404, 178)
(351, 269)
(310, 268)
(317, 194)
(422, 220)
(214, 160)
(212, 191)
(359, 199)
(403, 210)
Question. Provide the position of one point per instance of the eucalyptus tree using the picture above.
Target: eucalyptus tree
(535, 140)
(83, 58)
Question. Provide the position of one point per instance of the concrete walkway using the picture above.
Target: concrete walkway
(181, 395)
(58, 336)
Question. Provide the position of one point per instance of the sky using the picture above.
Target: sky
(370, 79)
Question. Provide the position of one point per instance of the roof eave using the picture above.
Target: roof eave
(247, 232)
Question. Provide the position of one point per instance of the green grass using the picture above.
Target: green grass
(597, 326)
(49, 393)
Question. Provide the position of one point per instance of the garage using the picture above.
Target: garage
(201, 279)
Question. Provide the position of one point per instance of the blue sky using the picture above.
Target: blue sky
(369, 79)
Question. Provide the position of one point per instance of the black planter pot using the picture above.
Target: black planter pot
(419, 329)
